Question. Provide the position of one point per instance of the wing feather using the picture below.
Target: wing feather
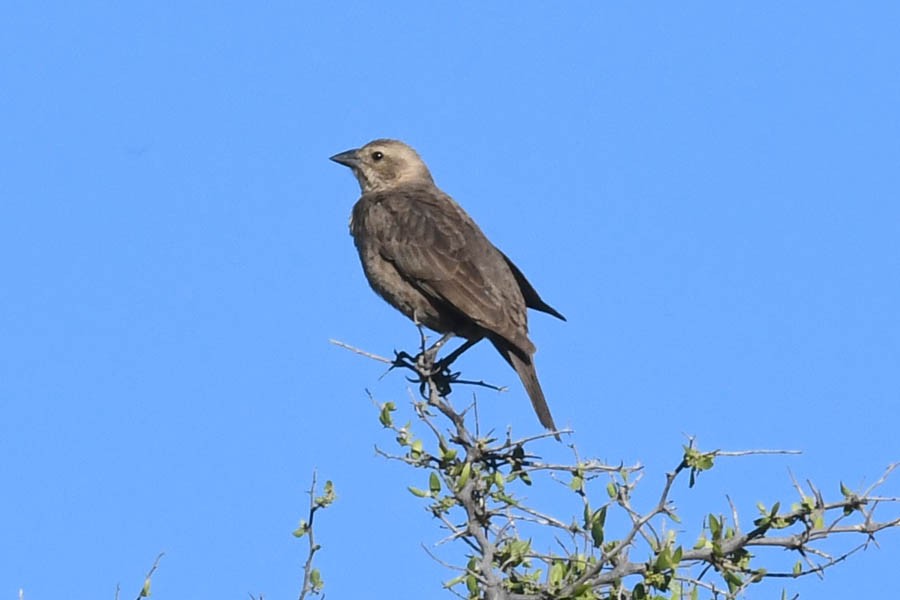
(438, 248)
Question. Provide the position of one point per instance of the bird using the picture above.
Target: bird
(423, 254)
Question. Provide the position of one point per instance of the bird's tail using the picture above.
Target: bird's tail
(524, 366)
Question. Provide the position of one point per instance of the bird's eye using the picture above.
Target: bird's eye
(377, 155)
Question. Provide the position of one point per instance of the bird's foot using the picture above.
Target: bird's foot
(426, 371)
(405, 360)
(437, 381)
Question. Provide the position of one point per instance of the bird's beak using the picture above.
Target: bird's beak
(350, 158)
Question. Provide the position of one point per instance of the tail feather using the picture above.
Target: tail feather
(524, 367)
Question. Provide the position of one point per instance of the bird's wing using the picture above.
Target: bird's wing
(437, 247)
(532, 298)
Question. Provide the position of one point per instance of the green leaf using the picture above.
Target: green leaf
(698, 460)
(471, 580)
(639, 593)
(798, 568)
(555, 576)
(315, 580)
(434, 484)
(302, 529)
(577, 483)
(504, 497)
(845, 490)
(734, 582)
(417, 492)
(597, 532)
(327, 497)
(464, 475)
(415, 450)
(145, 590)
(517, 550)
(663, 560)
(715, 528)
(611, 490)
(472, 586)
(385, 416)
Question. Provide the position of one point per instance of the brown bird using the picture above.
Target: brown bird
(426, 257)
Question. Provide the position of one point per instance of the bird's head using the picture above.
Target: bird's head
(384, 165)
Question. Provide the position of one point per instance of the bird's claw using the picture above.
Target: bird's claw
(427, 371)
(405, 360)
(441, 384)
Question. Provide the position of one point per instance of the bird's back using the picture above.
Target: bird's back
(422, 236)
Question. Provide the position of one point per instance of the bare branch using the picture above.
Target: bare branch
(361, 352)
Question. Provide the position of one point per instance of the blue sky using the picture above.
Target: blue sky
(708, 191)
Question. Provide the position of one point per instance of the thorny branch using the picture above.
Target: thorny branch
(470, 475)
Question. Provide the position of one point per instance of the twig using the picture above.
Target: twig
(361, 352)
(753, 452)
(313, 548)
(144, 588)
(882, 479)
